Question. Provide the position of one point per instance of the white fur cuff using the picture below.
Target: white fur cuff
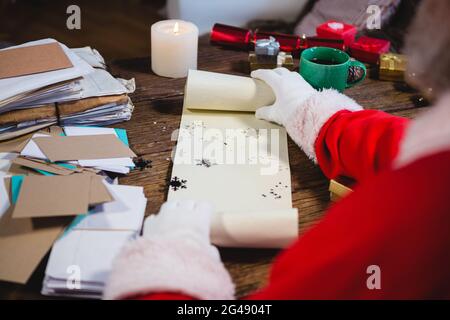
(305, 125)
(150, 265)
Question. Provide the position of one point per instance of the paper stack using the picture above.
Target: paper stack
(53, 189)
(53, 193)
(88, 147)
(82, 257)
(43, 83)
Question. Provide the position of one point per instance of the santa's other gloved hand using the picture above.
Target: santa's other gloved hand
(187, 220)
(174, 255)
(300, 108)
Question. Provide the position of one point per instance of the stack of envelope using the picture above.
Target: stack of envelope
(54, 102)
(53, 192)
(81, 258)
(78, 148)
(43, 83)
(106, 217)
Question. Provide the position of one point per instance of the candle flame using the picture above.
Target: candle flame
(176, 28)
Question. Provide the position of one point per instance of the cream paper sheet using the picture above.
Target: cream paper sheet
(224, 92)
(252, 196)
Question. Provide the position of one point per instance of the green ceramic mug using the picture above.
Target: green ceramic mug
(326, 67)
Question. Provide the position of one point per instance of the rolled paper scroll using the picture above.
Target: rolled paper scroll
(224, 92)
(252, 198)
(264, 229)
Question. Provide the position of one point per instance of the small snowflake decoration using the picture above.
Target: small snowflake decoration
(204, 163)
(177, 184)
(142, 164)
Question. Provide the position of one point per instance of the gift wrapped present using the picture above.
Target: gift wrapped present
(367, 49)
(339, 188)
(267, 55)
(392, 67)
(337, 30)
(245, 39)
(325, 42)
(283, 59)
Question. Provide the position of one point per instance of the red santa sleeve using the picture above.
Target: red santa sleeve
(359, 144)
(335, 132)
(374, 244)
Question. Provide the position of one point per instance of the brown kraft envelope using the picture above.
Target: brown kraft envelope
(24, 242)
(67, 148)
(32, 59)
(35, 164)
(99, 193)
(47, 196)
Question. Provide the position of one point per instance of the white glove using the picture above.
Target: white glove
(300, 108)
(290, 89)
(187, 220)
(174, 255)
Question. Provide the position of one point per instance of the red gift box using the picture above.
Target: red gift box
(325, 42)
(337, 30)
(367, 49)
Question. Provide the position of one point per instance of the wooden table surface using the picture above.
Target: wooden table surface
(158, 103)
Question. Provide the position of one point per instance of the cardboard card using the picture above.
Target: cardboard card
(32, 59)
(16, 170)
(98, 193)
(24, 242)
(68, 148)
(47, 196)
(42, 165)
(15, 145)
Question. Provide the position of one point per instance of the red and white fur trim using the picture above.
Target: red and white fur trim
(305, 125)
(150, 265)
(428, 134)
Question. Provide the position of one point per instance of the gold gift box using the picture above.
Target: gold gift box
(339, 189)
(283, 60)
(392, 67)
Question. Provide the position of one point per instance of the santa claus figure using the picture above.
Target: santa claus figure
(396, 222)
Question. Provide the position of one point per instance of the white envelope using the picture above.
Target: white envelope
(126, 212)
(5, 161)
(4, 195)
(31, 149)
(86, 131)
(107, 163)
(116, 169)
(92, 252)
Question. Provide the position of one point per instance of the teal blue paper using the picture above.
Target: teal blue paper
(122, 134)
(16, 184)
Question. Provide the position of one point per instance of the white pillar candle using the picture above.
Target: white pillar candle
(174, 46)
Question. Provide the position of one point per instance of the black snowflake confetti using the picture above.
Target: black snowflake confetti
(142, 164)
(272, 192)
(205, 163)
(177, 184)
